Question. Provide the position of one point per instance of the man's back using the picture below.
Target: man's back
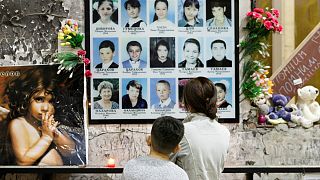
(149, 168)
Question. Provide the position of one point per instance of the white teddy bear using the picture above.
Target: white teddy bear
(308, 105)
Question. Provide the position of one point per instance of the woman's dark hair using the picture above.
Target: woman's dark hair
(193, 41)
(161, 43)
(132, 3)
(114, 16)
(155, 17)
(188, 3)
(135, 84)
(101, 1)
(222, 86)
(200, 96)
(21, 90)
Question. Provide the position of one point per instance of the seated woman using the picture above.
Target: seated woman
(133, 99)
(105, 89)
(190, 14)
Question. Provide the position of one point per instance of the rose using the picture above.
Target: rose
(88, 73)
(256, 15)
(258, 10)
(268, 25)
(81, 52)
(275, 12)
(86, 61)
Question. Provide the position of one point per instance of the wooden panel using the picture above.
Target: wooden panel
(301, 66)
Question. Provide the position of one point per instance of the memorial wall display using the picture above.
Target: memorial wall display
(143, 52)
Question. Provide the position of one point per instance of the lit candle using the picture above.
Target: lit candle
(111, 163)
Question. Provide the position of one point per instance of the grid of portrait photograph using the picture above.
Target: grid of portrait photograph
(144, 51)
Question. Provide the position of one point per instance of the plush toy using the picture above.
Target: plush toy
(279, 110)
(262, 103)
(310, 108)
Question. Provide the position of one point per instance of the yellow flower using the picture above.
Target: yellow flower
(67, 31)
(69, 37)
(63, 44)
(61, 37)
(68, 43)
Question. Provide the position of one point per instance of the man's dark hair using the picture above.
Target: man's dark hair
(133, 43)
(219, 41)
(133, 3)
(107, 44)
(166, 134)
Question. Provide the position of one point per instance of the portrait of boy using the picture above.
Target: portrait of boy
(165, 93)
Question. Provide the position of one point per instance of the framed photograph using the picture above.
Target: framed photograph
(45, 117)
(145, 55)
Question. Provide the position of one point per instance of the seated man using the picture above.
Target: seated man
(166, 133)
(134, 50)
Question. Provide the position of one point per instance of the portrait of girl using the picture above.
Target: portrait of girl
(105, 13)
(191, 54)
(224, 92)
(135, 13)
(190, 16)
(161, 55)
(44, 125)
(162, 14)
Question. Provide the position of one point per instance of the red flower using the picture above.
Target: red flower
(279, 28)
(258, 10)
(269, 15)
(88, 73)
(268, 25)
(86, 61)
(256, 15)
(249, 14)
(276, 12)
(81, 52)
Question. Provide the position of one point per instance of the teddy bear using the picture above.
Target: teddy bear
(307, 104)
(279, 109)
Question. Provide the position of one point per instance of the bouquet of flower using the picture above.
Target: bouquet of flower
(260, 24)
(256, 81)
(70, 36)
